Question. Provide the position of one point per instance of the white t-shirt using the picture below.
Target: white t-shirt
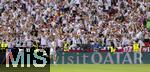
(43, 41)
(139, 35)
(107, 41)
(28, 42)
(74, 40)
(77, 1)
(53, 44)
(60, 42)
(49, 43)
(109, 2)
(141, 43)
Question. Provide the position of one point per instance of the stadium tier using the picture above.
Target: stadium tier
(75, 31)
(75, 24)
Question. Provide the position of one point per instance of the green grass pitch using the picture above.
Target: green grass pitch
(100, 68)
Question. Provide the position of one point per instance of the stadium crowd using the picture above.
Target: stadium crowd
(74, 24)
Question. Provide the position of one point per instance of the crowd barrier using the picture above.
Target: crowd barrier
(103, 58)
(93, 57)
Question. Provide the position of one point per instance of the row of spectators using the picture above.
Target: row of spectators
(74, 24)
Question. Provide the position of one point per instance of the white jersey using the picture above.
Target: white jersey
(43, 41)
(52, 49)
(53, 44)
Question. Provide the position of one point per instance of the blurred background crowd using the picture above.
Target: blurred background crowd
(74, 24)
